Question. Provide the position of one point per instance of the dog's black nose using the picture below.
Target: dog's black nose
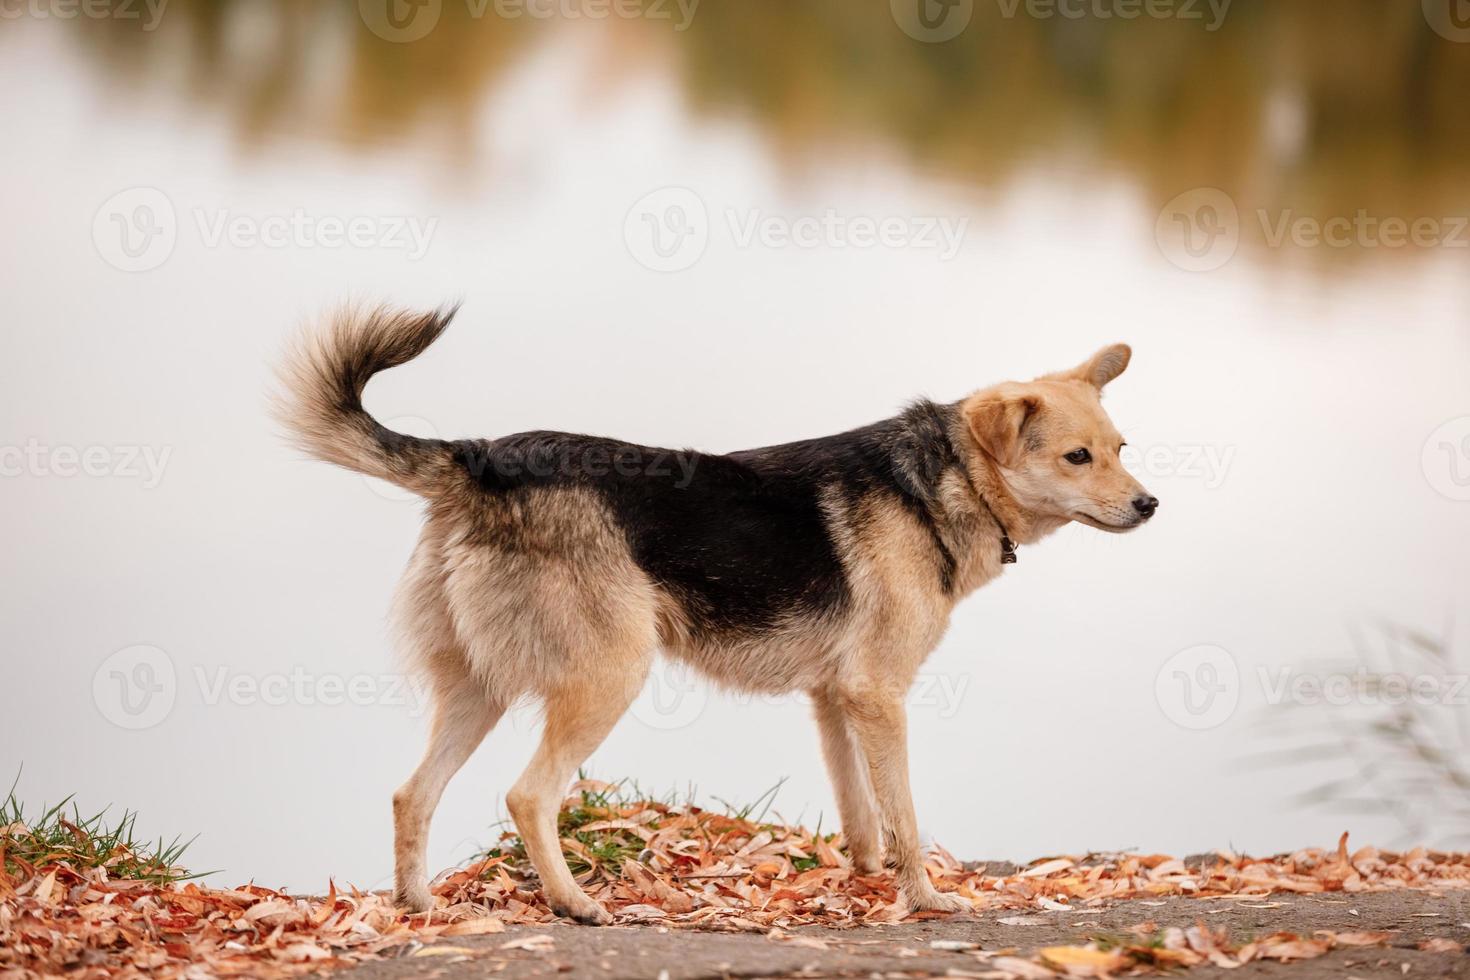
(1146, 506)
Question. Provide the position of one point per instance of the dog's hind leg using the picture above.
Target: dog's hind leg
(579, 716)
(463, 714)
(849, 772)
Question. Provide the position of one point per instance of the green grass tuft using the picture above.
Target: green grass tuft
(57, 836)
(609, 847)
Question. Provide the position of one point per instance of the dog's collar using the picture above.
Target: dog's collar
(1007, 546)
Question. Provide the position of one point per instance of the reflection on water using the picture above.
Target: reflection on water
(1295, 109)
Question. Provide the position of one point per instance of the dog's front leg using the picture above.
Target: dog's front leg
(849, 771)
(877, 716)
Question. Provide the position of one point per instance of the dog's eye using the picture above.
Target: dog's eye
(1078, 456)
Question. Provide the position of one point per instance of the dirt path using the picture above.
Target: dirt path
(906, 950)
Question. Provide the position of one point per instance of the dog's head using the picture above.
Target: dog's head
(1056, 449)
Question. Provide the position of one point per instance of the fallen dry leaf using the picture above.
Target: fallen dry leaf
(1441, 945)
(1086, 961)
(539, 943)
(1024, 969)
(444, 951)
(1046, 868)
(1287, 946)
(474, 927)
(953, 945)
(788, 939)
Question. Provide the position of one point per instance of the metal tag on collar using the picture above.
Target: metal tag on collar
(1007, 551)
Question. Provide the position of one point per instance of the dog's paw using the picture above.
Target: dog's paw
(930, 900)
(583, 910)
(865, 860)
(413, 898)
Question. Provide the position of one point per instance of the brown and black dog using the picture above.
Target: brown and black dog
(553, 566)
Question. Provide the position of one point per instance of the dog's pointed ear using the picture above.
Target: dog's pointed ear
(1105, 365)
(998, 423)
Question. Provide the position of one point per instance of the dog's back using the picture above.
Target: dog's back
(540, 540)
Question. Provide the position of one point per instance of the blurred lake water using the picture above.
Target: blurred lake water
(1282, 106)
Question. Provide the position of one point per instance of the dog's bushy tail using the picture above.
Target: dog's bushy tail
(320, 405)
